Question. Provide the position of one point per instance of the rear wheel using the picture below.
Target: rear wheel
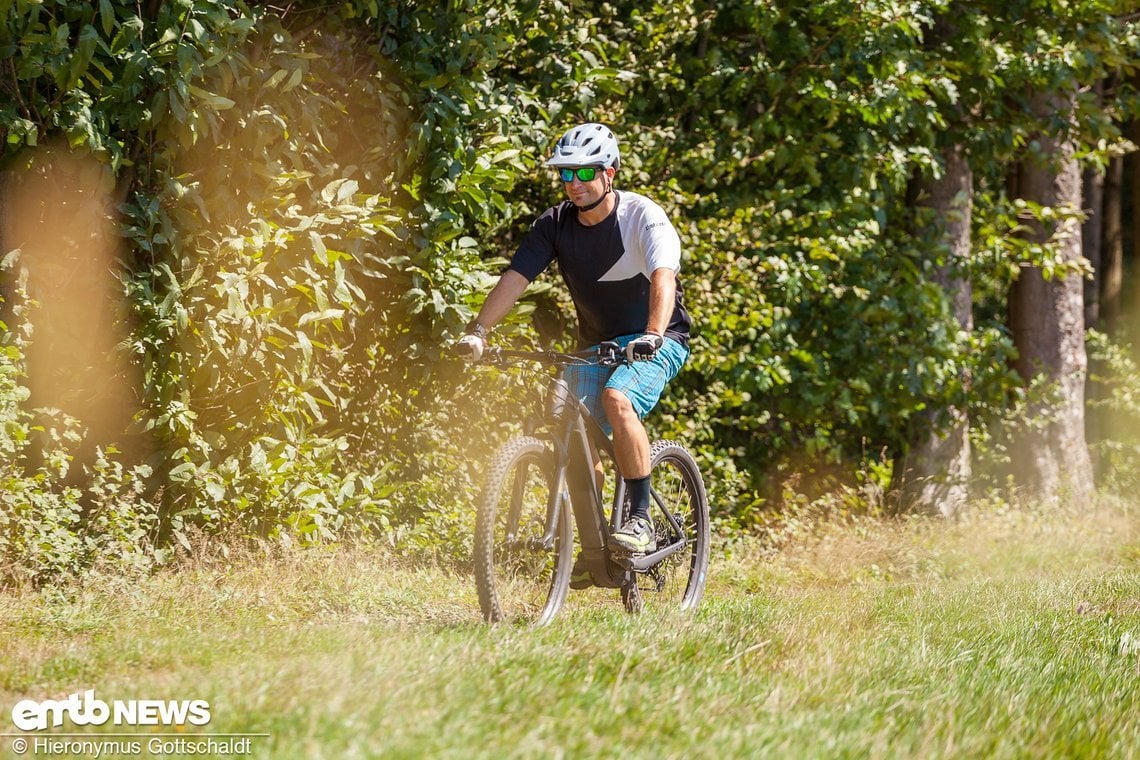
(518, 579)
(679, 510)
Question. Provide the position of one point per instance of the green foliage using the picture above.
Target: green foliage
(316, 198)
(105, 74)
(50, 531)
(1114, 412)
(825, 331)
(260, 239)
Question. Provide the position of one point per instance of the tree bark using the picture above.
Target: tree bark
(1046, 318)
(933, 477)
(1092, 190)
(935, 474)
(1092, 193)
(1112, 247)
(1133, 179)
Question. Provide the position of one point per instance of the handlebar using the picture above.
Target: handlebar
(606, 354)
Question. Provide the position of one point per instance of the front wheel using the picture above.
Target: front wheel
(679, 509)
(519, 580)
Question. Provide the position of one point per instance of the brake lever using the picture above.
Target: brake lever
(609, 353)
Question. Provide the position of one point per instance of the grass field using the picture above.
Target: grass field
(1005, 635)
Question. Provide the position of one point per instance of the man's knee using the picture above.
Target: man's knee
(616, 403)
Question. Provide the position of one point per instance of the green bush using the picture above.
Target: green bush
(51, 530)
(1114, 412)
(315, 198)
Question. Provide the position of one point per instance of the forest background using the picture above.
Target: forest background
(238, 239)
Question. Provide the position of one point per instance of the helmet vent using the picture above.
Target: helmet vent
(586, 144)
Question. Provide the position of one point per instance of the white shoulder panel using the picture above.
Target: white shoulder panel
(648, 237)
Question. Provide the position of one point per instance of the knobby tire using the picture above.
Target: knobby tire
(516, 583)
(678, 486)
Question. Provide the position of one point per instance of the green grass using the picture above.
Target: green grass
(1006, 635)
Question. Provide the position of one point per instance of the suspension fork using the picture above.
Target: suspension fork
(559, 494)
(554, 506)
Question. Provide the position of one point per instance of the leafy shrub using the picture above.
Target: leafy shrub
(1114, 412)
(316, 197)
(51, 530)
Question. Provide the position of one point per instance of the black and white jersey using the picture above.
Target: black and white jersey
(607, 266)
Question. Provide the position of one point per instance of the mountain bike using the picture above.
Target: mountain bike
(542, 485)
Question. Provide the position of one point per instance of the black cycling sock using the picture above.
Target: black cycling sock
(638, 490)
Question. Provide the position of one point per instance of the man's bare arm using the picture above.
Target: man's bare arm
(662, 297)
(502, 298)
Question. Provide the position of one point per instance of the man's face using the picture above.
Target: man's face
(584, 192)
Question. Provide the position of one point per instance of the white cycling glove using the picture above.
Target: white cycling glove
(644, 348)
(471, 347)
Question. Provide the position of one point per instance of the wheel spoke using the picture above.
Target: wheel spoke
(520, 581)
(679, 511)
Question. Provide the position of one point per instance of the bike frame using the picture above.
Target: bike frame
(577, 437)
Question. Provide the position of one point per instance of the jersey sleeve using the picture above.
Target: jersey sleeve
(660, 241)
(537, 249)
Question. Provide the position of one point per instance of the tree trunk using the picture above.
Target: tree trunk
(933, 477)
(1104, 294)
(1093, 192)
(935, 473)
(1133, 161)
(1112, 248)
(1046, 318)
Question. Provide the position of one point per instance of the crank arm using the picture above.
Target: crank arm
(640, 563)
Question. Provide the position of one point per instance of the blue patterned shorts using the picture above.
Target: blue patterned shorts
(641, 382)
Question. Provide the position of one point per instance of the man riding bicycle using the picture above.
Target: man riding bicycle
(619, 256)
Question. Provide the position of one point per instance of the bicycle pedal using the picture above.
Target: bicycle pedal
(623, 556)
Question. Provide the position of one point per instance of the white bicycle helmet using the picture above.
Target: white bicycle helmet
(586, 145)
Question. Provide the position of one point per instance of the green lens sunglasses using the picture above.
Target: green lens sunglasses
(585, 174)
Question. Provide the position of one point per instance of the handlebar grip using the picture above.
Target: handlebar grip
(462, 350)
(467, 351)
